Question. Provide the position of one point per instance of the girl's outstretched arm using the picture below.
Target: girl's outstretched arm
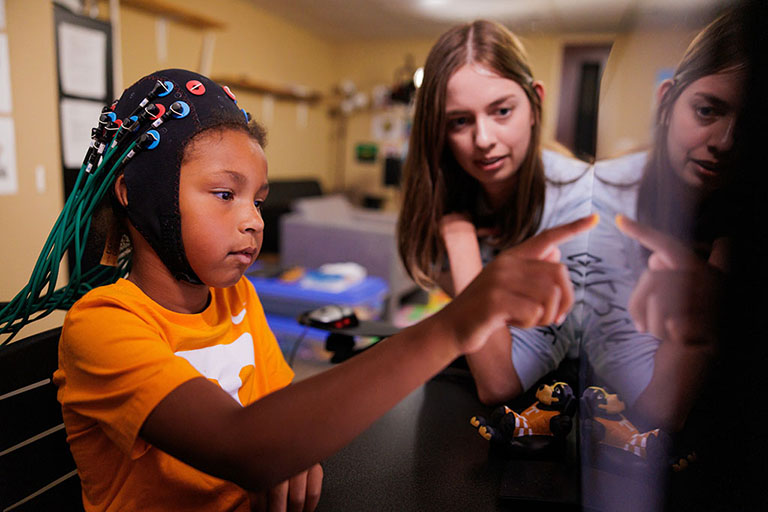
(288, 431)
(492, 367)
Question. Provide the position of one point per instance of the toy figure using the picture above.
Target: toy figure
(540, 429)
(609, 436)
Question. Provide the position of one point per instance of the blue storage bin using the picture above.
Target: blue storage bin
(290, 299)
(287, 331)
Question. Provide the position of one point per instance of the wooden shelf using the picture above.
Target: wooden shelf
(175, 13)
(280, 92)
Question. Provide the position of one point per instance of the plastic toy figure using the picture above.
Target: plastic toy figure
(538, 430)
(608, 436)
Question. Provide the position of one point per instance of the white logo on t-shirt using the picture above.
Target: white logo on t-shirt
(223, 362)
(236, 319)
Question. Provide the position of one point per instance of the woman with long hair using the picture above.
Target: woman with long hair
(476, 181)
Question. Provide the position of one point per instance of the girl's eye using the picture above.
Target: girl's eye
(258, 204)
(504, 111)
(457, 122)
(225, 195)
(706, 112)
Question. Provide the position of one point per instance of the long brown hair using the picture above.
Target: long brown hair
(718, 48)
(434, 183)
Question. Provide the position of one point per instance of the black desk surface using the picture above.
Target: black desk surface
(422, 456)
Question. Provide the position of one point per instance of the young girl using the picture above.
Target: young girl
(174, 393)
(676, 189)
(476, 182)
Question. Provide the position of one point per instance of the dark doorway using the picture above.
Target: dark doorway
(579, 94)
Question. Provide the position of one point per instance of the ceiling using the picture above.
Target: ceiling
(345, 20)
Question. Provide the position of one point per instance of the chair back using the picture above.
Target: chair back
(37, 471)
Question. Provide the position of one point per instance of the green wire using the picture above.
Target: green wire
(69, 232)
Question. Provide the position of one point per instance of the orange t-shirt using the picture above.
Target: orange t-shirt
(120, 354)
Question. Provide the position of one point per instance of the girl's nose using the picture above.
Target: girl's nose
(721, 138)
(484, 136)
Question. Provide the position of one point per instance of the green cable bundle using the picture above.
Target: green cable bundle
(70, 232)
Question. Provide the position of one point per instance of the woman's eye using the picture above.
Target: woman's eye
(504, 111)
(258, 204)
(224, 194)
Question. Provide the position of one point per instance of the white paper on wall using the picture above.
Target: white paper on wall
(40, 181)
(302, 115)
(206, 53)
(5, 76)
(82, 61)
(161, 37)
(9, 183)
(267, 109)
(77, 119)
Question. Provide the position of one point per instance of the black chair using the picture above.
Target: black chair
(37, 471)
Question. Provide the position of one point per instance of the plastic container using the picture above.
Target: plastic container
(290, 299)
(288, 331)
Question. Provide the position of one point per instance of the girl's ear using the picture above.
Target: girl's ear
(538, 86)
(665, 86)
(121, 190)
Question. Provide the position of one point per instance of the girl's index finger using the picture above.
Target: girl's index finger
(670, 250)
(542, 244)
(560, 234)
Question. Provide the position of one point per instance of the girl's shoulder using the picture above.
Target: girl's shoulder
(121, 291)
(560, 168)
(623, 170)
(103, 308)
(126, 296)
(568, 189)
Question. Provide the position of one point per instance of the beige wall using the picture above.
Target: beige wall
(27, 217)
(628, 88)
(368, 64)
